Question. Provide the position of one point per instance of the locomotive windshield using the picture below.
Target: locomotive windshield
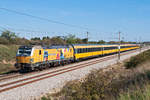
(24, 51)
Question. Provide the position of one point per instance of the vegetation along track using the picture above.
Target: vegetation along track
(15, 84)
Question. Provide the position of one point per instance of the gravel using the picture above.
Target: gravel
(53, 84)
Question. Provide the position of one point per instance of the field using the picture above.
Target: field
(123, 81)
(7, 58)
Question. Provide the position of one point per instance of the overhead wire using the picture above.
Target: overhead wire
(3, 28)
(42, 18)
(22, 30)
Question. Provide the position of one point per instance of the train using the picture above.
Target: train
(39, 57)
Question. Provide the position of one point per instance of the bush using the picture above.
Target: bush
(138, 59)
(45, 98)
(95, 87)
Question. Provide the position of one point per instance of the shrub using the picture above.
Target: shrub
(45, 98)
(95, 97)
(138, 59)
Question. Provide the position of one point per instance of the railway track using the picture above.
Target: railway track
(58, 71)
(18, 75)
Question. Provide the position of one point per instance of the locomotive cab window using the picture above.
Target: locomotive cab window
(24, 51)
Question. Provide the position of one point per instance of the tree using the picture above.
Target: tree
(112, 42)
(8, 35)
(45, 38)
(101, 42)
(85, 40)
(57, 40)
(36, 38)
(71, 39)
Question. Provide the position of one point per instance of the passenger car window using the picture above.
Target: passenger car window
(40, 52)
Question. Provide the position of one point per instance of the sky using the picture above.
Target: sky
(102, 18)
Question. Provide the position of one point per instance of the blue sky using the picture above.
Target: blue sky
(103, 18)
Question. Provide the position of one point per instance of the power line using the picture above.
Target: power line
(14, 30)
(3, 28)
(23, 30)
(41, 18)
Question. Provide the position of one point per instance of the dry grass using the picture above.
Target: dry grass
(7, 58)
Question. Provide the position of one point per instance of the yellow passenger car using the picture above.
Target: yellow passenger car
(83, 51)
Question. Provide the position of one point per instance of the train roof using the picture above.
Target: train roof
(74, 45)
(57, 46)
(97, 45)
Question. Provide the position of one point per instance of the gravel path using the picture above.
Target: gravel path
(36, 89)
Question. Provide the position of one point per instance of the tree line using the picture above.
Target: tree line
(7, 37)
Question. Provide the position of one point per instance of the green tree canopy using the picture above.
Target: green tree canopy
(36, 38)
(101, 42)
(8, 35)
(71, 39)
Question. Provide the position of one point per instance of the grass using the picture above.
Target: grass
(8, 52)
(114, 83)
(7, 58)
(7, 68)
(139, 94)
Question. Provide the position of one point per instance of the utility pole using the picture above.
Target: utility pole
(140, 43)
(119, 46)
(87, 37)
